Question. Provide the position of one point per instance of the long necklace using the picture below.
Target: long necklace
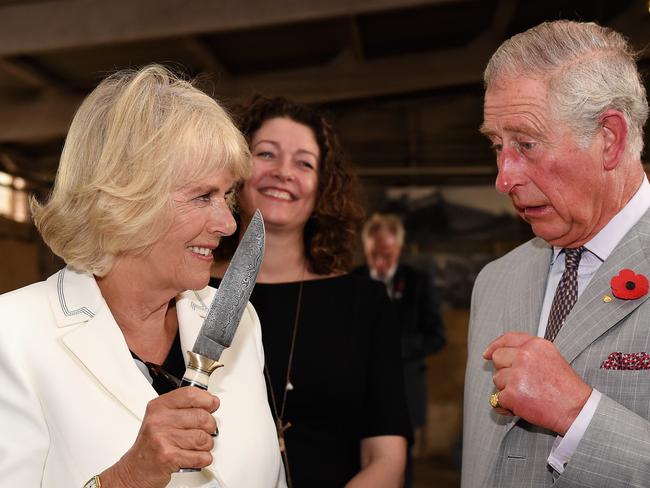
(280, 425)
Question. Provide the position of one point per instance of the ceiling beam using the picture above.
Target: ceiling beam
(42, 118)
(204, 55)
(48, 115)
(633, 22)
(347, 78)
(26, 74)
(40, 27)
(355, 38)
(365, 171)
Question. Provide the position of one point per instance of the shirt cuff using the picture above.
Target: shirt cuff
(564, 447)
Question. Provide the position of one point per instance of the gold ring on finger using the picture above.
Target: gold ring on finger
(494, 400)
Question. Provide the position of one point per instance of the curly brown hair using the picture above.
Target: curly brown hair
(330, 234)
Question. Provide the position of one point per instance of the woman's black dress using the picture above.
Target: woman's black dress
(346, 372)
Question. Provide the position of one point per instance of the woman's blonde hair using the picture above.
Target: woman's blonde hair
(136, 138)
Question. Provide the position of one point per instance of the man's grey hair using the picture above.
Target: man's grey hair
(588, 68)
(378, 223)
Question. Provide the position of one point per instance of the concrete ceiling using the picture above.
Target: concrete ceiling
(400, 78)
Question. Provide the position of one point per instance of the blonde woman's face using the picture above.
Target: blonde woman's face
(182, 257)
(284, 181)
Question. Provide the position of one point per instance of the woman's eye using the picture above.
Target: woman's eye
(205, 198)
(307, 164)
(265, 154)
(497, 147)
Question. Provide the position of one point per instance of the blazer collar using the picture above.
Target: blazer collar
(74, 296)
(97, 341)
(593, 315)
(192, 308)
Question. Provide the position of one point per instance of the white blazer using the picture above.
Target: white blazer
(72, 399)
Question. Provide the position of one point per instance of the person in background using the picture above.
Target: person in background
(333, 369)
(557, 389)
(414, 306)
(89, 356)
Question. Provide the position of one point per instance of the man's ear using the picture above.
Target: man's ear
(615, 133)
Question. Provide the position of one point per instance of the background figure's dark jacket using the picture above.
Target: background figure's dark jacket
(416, 312)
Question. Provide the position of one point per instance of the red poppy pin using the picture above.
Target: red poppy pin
(398, 288)
(627, 285)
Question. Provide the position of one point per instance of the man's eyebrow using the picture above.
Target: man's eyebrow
(486, 131)
(490, 132)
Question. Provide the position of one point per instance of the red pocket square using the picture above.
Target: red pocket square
(628, 361)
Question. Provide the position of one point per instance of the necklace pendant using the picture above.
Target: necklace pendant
(281, 428)
(289, 386)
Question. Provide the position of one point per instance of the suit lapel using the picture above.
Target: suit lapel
(529, 282)
(592, 316)
(398, 284)
(97, 341)
(192, 308)
(523, 313)
(101, 348)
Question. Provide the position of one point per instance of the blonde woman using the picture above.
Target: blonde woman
(87, 357)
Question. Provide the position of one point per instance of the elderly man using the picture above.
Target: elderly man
(414, 307)
(558, 387)
(414, 304)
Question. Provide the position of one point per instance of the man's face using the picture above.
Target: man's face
(382, 252)
(555, 185)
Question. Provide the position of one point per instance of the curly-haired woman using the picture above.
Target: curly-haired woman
(332, 358)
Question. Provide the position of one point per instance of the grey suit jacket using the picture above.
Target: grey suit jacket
(505, 452)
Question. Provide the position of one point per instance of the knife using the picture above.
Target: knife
(225, 312)
(227, 306)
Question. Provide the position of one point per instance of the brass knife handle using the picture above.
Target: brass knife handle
(199, 369)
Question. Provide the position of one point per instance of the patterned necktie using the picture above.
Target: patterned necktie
(566, 293)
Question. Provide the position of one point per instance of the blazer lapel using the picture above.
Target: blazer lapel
(99, 345)
(97, 341)
(192, 308)
(101, 348)
(522, 313)
(592, 316)
(529, 282)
